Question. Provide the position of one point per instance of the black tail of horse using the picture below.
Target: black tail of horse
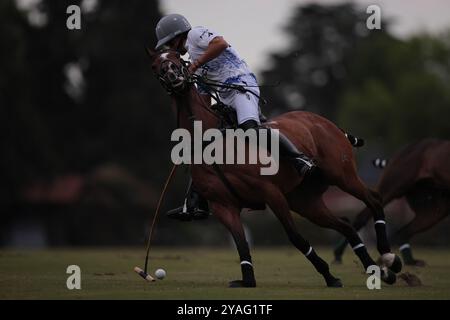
(354, 141)
(380, 163)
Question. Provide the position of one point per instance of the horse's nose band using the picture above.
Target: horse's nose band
(174, 78)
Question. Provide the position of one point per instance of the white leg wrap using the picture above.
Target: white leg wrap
(404, 246)
(246, 262)
(358, 246)
(309, 251)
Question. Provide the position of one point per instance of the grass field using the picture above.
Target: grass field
(202, 273)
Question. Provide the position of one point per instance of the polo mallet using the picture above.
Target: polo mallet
(143, 273)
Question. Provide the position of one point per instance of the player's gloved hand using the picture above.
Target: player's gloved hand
(194, 66)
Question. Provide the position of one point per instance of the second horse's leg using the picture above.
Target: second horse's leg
(373, 201)
(429, 210)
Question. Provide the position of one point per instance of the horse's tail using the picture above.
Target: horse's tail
(380, 163)
(354, 141)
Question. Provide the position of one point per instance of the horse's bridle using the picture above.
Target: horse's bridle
(174, 78)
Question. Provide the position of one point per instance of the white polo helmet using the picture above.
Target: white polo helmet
(169, 27)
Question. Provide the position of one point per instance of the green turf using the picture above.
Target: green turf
(202, 273)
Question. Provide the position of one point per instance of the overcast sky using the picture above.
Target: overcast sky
(254, 27)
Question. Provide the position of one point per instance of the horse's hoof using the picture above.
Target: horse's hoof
(388, 276)
(241, 284)
(392, 261)
(334, 283)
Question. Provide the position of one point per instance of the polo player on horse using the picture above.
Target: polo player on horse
(215, 60)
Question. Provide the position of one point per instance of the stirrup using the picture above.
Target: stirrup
(179, 214)
(186, 213)
(200, 214)
(192, 214)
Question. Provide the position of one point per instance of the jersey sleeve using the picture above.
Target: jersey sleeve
(201, 36)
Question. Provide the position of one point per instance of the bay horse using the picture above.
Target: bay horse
(319, 138)
(419, 173)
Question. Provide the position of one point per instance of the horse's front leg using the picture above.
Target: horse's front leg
(230, 217)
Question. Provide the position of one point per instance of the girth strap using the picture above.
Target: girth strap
(216, 168)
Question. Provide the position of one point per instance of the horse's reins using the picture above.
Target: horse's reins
(243, 88)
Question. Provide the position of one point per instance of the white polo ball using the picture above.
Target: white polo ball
(160, 274)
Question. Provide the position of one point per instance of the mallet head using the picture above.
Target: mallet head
(143, 274)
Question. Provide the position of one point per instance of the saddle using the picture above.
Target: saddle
(228, 116)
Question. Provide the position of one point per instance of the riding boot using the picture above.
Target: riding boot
(195, 207)
(302, 163)
(198, 206)
(262, 117)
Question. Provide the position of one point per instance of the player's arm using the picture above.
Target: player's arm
(215, 47)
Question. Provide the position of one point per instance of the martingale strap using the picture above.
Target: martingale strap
(227, 183)
(216, 168)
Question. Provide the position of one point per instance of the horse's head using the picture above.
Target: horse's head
(170, 70)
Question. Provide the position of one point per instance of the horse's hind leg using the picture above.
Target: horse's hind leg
(373, 201)
(314, 209)
(230, 218)
(279, 205)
